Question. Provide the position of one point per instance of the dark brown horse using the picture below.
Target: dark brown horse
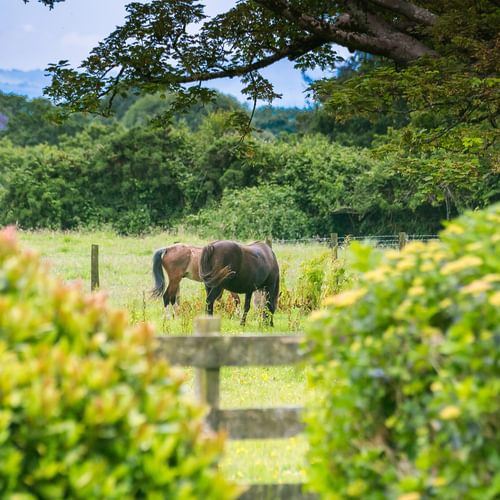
(227, 265)
(179, 261)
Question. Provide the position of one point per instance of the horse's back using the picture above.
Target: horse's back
(183, 259)
(254, 266)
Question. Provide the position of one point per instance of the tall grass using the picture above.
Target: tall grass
(125, 275)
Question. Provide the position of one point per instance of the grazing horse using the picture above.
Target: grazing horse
(179, 261)
(227, 265)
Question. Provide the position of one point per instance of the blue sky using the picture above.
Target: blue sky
(32, 36)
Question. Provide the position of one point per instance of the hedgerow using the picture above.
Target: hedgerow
(87, 410)
(407, 370)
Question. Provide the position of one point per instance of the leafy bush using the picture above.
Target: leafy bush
(407, 370)
(86, 408)
(253, 213)
(43, 187)
(321, 276)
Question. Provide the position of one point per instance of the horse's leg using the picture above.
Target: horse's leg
(246, 308)
(271, 294)
(169, 297)
(212, 295)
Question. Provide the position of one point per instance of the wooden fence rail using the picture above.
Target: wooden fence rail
(207, 351)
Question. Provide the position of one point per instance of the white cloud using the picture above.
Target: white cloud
(28, 28)
(78, 40)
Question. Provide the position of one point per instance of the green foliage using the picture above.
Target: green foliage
(31, 122)
(141, 171)
(276, 120)
(407, 370)
(86, 408)
(43, 186)
(148, 107)
(252, 213)
(322, 276)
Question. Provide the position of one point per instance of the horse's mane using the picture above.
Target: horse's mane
(212, 277)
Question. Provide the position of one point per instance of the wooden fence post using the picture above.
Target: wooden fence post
(207, 380)
(403, 240)
(269, 240)
(94, 267)
(334, 242)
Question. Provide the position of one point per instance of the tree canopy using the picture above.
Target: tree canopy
(438, 58)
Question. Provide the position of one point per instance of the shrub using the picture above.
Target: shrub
(407, 369)
(321, 276)
(253, 213)
(86, 408)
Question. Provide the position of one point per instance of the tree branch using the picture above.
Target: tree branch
(356, 29)
(408, 9)
(292, 52)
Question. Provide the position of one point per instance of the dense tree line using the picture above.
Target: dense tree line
(199, 172)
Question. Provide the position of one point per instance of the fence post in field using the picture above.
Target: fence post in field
(207, 380)
(334, 242)
(269, 240)
(94, 267)
(403, 240)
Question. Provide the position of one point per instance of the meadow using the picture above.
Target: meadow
(125, 276)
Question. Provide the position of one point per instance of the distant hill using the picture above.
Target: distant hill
(27, 83)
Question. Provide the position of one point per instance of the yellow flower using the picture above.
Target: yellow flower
(378, 274)
(392, 254)
(445, 303)
(439, 481)
(477, 287)
(405, 264)
(320, 314)
(416, 246)
(491, 278)
(416, 291)
(346, 298)
(461, 264)
(455, 229)
(450, 412)
(412, 495)
(357, 488)
(427, 267)
(474, 247)
(436, 386)
(494, 299)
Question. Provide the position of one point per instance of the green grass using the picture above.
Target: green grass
(125, 275)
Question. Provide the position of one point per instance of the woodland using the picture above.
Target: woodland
(403, 138)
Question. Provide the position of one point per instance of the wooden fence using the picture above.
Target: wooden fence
(334, 241)
(208, 351)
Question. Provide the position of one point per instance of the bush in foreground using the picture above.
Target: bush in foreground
(86, 409)
(407, 368)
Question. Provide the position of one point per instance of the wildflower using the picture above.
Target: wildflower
(494, 299)
(320, 314)
(477, 287)
(405, 264)
(416, 291)
(412, 495)
(450, 412)
(455, 229)
(347, 298)
(439, 481)
(461, 264)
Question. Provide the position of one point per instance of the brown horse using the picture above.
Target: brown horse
(227, 265)
(179, 261)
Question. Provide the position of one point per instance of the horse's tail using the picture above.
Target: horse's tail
(158, 275)
(211, 277)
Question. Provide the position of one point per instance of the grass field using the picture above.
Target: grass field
(125, 275)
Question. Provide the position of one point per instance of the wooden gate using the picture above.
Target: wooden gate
(208, 351)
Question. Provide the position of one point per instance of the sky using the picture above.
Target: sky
(32, 37)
